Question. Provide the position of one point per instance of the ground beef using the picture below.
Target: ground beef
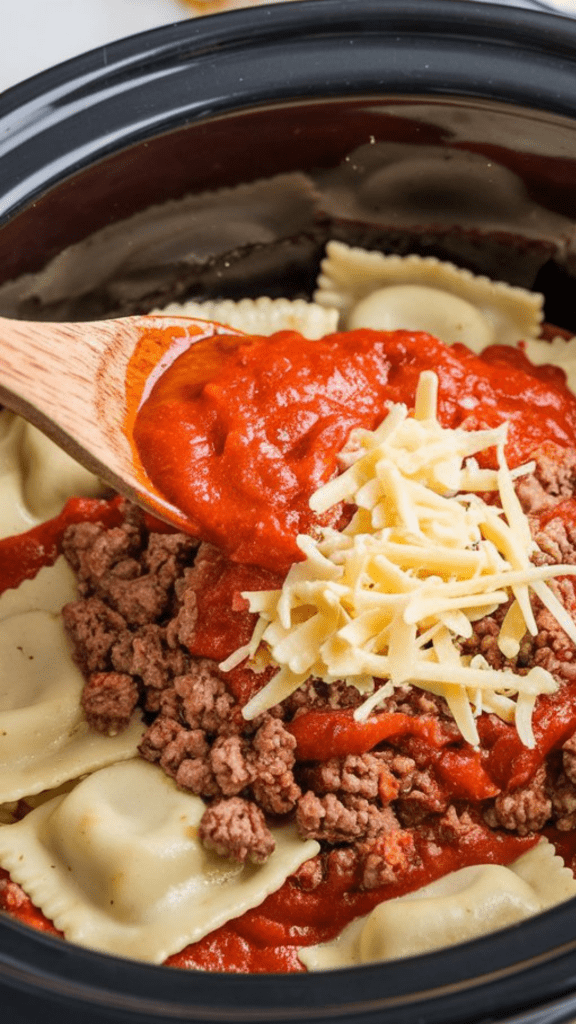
(95, 553)
(556, 541)
(554, 479)
(366, 864)
(457, 826)
(93, 628)
(425, 796)
(406, 699)
(569, 758)
(148, 655)
(127, 579)
(484, 639)
(402, 769)
(204, 701)
(194, 579)
(273, 785)
(231, 765)
(561, 785)
(563, 797)
(13, 896)
(195, 775)
(327, 818)
(314, 693)
(524, 810)
(385, 858)
(533, 497)
(553, 650)
(335, 821)
(132, 571)
(409, 700)
(237, 829)
(108, 700)
(364, 775)
(141, 601)
(183, 754)
(160, 734)
(187, 745)
(550, 648)
(341, 863)
(310, 874)
(139, 629)
(165, 555)
(258, 765)
(155, 660)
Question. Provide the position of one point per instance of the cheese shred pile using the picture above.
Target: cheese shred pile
(394, 595)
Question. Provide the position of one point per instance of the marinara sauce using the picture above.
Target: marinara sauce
(241, 442)
(239, 435)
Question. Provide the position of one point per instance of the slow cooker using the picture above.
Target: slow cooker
(98, 160)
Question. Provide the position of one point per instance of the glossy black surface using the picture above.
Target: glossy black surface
(175, 110)
(78, 112)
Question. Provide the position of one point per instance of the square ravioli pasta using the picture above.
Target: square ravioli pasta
(45, 738)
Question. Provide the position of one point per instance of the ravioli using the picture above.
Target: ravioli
(51, 588)
(262, 316)
(423, 293)
(558, 352)
(459, 906)
(237, 225)
(36, 477)
(44, 737)
(116, 864)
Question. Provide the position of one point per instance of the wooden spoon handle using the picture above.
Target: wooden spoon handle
(53, 375)
(70, 380)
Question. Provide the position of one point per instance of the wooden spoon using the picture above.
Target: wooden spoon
(80, 383)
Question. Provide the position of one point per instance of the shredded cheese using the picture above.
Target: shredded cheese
(391, 597)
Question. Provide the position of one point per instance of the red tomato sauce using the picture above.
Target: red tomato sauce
(22, 557)
(240, 443)
(267, 938)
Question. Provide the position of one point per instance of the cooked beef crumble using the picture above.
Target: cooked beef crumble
(137, 635)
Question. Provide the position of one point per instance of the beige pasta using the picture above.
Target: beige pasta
(117, 864)
(463, 905)
(423, 293)
(44, 737)
(263, 315)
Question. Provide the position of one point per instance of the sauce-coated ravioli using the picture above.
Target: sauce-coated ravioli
(117, 864)
(462, 905)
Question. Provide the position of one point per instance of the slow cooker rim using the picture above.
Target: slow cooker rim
(43, 132)
(51, 968)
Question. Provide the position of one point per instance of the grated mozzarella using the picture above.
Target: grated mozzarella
(390, 597)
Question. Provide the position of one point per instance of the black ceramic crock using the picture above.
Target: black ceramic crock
(227, 99)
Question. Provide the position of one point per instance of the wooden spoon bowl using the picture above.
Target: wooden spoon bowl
(82, 383)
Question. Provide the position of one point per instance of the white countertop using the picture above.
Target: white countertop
(38, 33)
(35, 34)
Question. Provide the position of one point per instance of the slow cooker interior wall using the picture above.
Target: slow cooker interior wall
(221, 152)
